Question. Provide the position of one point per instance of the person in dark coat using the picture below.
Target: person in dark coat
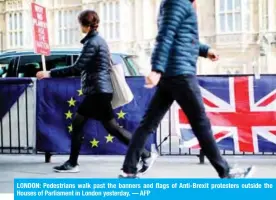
(94, 66)
(174, 61)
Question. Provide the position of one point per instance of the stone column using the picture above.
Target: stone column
(138, 12)
(101, 15)
(27, 25)
(272, 50)
(148, 18)
(2, 27)
(125, 24)
(272, 15)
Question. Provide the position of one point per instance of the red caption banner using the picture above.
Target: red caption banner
(40, 28)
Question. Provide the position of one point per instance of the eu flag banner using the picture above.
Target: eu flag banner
(57, 101)
(10, 91)
(196, 189)
(242, 113)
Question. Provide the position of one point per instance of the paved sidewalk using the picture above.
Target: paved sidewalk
(20, 166)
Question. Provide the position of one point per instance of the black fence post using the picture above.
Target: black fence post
(201, 157)
(48, 156)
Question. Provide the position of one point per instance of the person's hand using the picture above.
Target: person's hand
(152, 79)
(212, 55)
(43, 74)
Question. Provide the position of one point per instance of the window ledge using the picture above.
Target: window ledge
(232, 39)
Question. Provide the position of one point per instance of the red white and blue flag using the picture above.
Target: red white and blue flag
(242, 111)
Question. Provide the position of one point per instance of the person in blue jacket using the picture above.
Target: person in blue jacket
(174, 61)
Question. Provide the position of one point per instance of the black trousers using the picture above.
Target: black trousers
(185, 90)
(97, 107)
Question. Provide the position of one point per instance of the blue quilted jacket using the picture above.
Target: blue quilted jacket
(177, 44)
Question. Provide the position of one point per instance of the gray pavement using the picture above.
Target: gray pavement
(21, 166)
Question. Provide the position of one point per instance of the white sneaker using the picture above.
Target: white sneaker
(241, 172)
(147, 163)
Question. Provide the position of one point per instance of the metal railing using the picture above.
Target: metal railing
(18, 131)
(170, 144)
(17, 127)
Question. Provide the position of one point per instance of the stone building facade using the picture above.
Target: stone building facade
(243, 31)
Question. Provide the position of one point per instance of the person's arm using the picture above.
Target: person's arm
(174, 11)
(203, 50)
(82, 62)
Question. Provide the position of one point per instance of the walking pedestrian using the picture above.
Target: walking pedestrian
(174, 62)
(94, 66)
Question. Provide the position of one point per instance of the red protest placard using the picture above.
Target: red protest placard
(40, 29)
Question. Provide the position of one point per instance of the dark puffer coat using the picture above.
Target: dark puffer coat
(93, 64)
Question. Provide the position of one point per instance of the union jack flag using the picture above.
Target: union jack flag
(242, 111)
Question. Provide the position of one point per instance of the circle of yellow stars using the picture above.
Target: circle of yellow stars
(69, 116)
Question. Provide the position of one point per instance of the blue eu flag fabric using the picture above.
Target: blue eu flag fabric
(57, 101)
(10, 91)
